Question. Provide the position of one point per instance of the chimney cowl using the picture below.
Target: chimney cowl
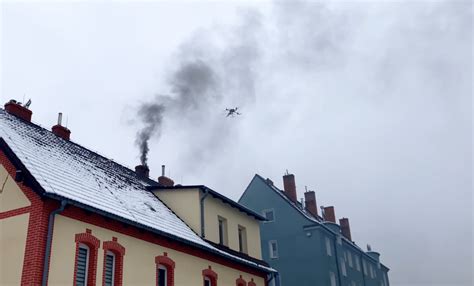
(142, 171)
(289, 187)
(15, 108)
(345, 228)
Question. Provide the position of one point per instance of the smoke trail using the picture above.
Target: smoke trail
(204, 78)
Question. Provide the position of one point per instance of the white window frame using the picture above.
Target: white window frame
(273, 255)
(332, 279)
(87, 248)
(242, 237)
(364, 267)
(208, 280)
(328, 247)
(267, 211)
(343, 268)
(349, 259)
(113, 264)
(225, 230)
(162, 267)
(357, 262)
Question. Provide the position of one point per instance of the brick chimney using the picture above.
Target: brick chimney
(60, 130)
(329, 214)
(142, 171)
(15, 108)
(163, 180)
(289, 186)
(345, 228)
(310, 203)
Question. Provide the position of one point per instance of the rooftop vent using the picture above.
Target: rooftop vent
(163, 180)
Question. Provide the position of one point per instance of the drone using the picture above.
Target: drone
(232, 112)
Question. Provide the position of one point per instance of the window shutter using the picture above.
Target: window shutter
(81, 272)
(109, 270)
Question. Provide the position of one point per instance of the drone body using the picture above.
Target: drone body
(232, 112)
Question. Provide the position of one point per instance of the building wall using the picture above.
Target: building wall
(213, 208)
(11, 196)
(185, 203)
(303, 258)
(139, 259)
(13, 232)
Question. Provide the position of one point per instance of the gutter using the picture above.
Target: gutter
(203, 197)
(49, 239)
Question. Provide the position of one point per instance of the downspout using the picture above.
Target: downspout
(273, 276)
(337, 261)
(49, 240)
(203, 197)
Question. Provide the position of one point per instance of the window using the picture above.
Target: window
(273, 249)
(222, 230)
(332, 278)
(109, 269)
(328, 246)
(164, 270)
(82, 265)
(242, 239)
(162, 275)
(343, 268)
(269, 215)
(364, 266)
(357, 261)
(240, 281)
(349, 258)
(209, 277)
(113, 263)
(85, 264)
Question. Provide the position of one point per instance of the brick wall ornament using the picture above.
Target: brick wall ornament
(252, 283)
(210, 274)
(93, 243)
(169, 264)
(119, 251)
(240, 281)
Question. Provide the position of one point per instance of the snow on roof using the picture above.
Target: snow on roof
(66, 169)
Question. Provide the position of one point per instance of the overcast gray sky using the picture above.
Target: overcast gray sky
(368, 103)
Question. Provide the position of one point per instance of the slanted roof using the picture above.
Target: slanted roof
(313, 220)
(66, 170)
(215, 194)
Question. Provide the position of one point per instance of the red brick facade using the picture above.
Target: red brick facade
(93, 243)
(240, 281)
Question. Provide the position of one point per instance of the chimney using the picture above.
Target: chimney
(310, 200)
(289, 186)
(329, 214)
(142, 171)
(163, 180)
(21, 111)
(345, 228)
(60, 130)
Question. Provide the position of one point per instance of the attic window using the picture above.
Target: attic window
(150, 207)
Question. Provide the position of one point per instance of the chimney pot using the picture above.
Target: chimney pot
(310, 203)
(142, 171)
(15, 108)
(345, 228)
(329, 214)
(289, 186)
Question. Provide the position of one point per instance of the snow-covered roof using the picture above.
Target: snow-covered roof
(67, 170)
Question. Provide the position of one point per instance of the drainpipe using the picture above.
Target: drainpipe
(49, 239)
(337, 260)
(203, 197)
(273, 276)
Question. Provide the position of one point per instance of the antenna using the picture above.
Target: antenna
(27, 105)
(306, 189)
(369, 248)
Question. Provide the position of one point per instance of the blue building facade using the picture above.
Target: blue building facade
(305, 248)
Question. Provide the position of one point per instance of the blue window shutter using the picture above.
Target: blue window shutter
(109, 270)
(81, 271)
